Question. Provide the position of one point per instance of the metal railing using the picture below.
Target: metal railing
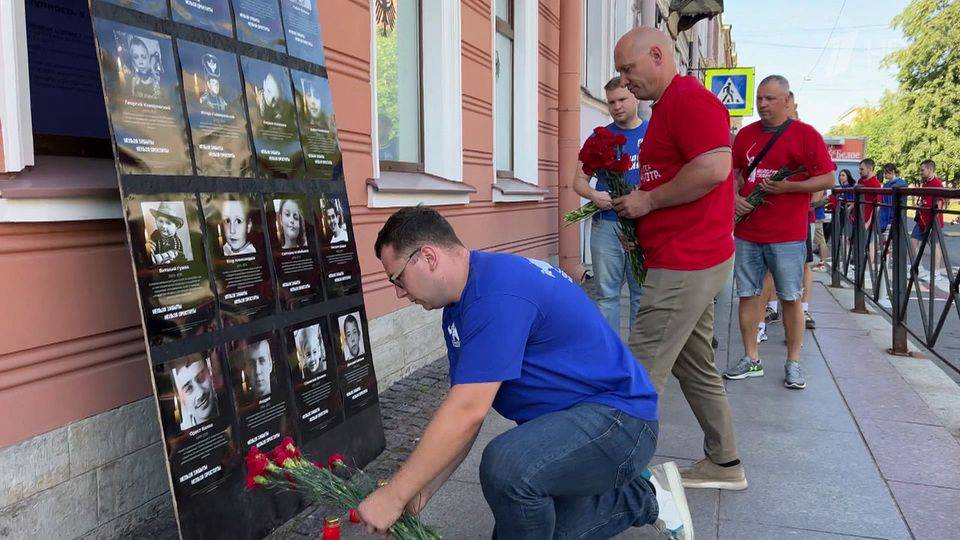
(885, 266)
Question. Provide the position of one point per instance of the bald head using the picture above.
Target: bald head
(644, 58)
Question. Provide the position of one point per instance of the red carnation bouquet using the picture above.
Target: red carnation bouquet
(335, 485)
(602, 156)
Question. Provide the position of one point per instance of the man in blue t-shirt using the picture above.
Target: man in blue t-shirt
(892, 179)
(610, 266)
(524, 339)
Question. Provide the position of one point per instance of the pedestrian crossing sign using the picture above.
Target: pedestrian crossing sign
(733, 87)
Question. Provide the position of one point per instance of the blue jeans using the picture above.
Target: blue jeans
(571, 474)
(610, 269)
(785, 260)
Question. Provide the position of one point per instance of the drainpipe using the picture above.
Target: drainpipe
(648, 18)
(648, 13)
(568, 140)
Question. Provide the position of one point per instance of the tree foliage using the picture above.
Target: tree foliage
(921, 120)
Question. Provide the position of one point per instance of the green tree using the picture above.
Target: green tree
(921, 120)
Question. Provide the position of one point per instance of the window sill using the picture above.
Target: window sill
(506, 190)
(62, 177)
(395, 189)
(61, 189)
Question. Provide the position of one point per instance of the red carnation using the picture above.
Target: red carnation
(354, 516)
(257, 462)
(253, 482)
(336, 459)
(319, 464)
(622, 165)
(290, 445)
(619, 139)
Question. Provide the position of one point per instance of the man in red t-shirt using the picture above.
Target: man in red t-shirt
(683, 208)
(869, 201)
(772, 237)
(924, 218)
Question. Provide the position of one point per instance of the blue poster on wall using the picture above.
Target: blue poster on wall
(64, 77)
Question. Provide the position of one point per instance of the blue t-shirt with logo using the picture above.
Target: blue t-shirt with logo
(526, 324)
(632, 148)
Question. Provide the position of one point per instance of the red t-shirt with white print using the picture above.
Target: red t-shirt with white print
(687, 121)
(783, 217)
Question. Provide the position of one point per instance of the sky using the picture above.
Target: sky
(829, 72)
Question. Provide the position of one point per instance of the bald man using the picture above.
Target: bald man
(684, 215)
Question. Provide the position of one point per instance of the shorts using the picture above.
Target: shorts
(917, 233)
(785, 260)
(810, 243)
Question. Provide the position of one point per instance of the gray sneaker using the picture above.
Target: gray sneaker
(794, 376)
(746, 367)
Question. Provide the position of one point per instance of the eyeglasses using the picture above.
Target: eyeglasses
(395, 279)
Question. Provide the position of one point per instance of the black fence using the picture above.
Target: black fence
(887, 266)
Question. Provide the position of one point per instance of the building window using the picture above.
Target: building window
(399, 85)
(623, 20)
(503, 65)
(593, 49)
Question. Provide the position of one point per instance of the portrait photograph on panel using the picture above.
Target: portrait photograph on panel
(318, 126)
(338, 249)
(166, 238)
(168, 241)
(351, 335)
(355, 372)
(273, 119)
(196, 397)
(237, 246)
(311, 351)
(218, 118)
(142, 91)
(196, 415)
(311, 361)
(257, 373)
(290, 218)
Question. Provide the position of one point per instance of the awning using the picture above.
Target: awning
(685, 13)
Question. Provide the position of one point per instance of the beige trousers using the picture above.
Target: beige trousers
(672, 334)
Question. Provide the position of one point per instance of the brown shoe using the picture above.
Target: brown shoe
(707, 474)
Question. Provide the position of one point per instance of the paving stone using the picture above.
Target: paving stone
(33, 465)
(885, 397)
(931, 512)
(743, 530)
(107, 436)
(904, 451)
(812, 479)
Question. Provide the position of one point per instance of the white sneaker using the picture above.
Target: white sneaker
(762, 335)
(674, 518)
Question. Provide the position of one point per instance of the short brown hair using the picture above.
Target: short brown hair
(414, 226)
(613, 84)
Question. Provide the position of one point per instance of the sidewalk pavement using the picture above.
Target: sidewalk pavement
(868, 450)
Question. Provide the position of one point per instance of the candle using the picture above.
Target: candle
(331, 528)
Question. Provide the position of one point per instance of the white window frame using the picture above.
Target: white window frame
(526, 104)
(16, 128)
(442, 120)
(15, 120)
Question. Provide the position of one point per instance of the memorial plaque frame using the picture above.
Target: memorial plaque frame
(191, 370)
